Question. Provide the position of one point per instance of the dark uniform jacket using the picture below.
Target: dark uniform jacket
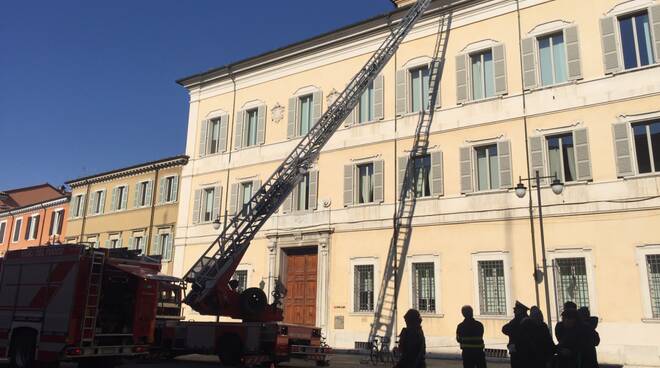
(470, 334)
(535, 345)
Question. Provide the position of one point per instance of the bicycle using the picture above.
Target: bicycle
(379, 351)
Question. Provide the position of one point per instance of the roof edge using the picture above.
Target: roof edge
(124, 171)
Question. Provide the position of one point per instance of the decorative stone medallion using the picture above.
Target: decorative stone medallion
(332, 97)
(277, 113)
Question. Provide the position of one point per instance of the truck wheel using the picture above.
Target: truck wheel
(22, 350)
(230, 350)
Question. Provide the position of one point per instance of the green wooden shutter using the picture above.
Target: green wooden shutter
(573, 53)
(107, 243)
(462, 90)
(196, 206)
(147, 197)
(131, 241)
(582, 155)
(610, 44)
(217, 196)
(378, 181)
(136, 196)
(203, 133)
(124, 199)
(292, 121)
(348, 185)
(224, 128)
(654, 19)
(622, 150)
(437, 181)
(379, 98)
(504, 159)
(401, 92)
(233, 199)
(313, 189)
(238, 129)
(317, 107)
(113, 202)
(161, 190)
(156, 249)
(261, 124)
(74, 204)
(92, 203)
(436, 65)
(402, 162)
(529, 63)
(536, 155)
(350, 119)
(287, 205)
(465, 164)
(175, 188)
(499, 65)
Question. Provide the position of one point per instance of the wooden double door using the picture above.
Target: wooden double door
(300, 268)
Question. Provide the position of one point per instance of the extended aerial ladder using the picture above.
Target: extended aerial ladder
(386, 306)
(211, 293)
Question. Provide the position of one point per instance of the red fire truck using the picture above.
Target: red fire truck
(76, 303)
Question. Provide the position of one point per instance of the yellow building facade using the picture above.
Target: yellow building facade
(565, 88)
(134, 207)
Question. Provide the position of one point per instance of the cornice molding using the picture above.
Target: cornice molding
(36, 206)
(131, 171)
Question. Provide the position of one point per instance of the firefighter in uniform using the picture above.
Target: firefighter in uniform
(470, 335)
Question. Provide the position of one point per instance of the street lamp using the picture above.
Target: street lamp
(216, 223)
(557, 188)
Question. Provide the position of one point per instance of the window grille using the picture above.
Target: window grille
(424, 287)
(653, 267)
(241, 277)
(364, 288)
(492, 291)
(571, 281)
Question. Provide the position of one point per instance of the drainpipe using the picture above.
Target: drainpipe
(230, 139)
(84, 218)
(152, 212)
(396, 162)
(529, 174)
(11, 228)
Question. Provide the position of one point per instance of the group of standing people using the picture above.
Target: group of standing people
(530, 343)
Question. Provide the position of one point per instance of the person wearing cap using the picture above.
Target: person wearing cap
(470, 335)
(512, 329)
(535, 344)
(412, 343)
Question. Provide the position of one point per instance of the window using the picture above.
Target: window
(163, 246)
(56, 218)
(419, 89)
(78, 204)
(653, 269)
(301, 199)
(561, 156)
(483, 75)
(241, 276)
(214, 136)
(552, 59)
(169, 189)
(143, 194)
(492, 292)
(363, 288)
(138, 242)
(250, 128)
(366, 107)
(17, 230)
(306, 108)
(647, 146)
(246, 190)
(423, 171)
(3, 227)
(32, 227)
(114, 241)
(636, 41)
(423, 287)
(365, 184)
(93, 240)
(99, 199)
(208, 208)
(571, 281)
(120, 196)
(487, 167)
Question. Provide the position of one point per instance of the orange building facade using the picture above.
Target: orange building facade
(32, 216)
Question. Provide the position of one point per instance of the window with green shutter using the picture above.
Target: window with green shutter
(305, 115)
(419, 88)
(250, 127)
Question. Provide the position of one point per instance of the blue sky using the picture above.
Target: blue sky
(88, 86)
